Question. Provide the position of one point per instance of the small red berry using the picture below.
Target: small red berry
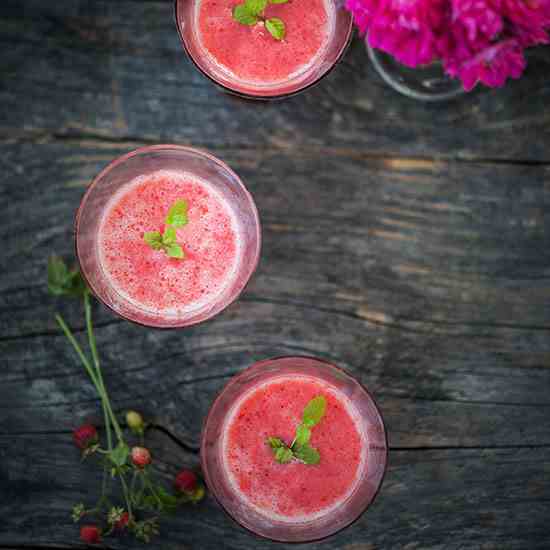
(85, 436)
(186, 481)
(122, 522)
(141, 457)
(90, 534)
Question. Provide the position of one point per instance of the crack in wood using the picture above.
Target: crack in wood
(392, 162)
(379, 320)
(47, 333)
(470, 447)
(381, 396)
(188, 447)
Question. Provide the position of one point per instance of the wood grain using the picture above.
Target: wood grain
(407, 243)
(117, 70)
(457, 499)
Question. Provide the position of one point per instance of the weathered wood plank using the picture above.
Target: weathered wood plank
(450, 248)
(491, 499)
(117, 69)
(429, 281)
(426, 277)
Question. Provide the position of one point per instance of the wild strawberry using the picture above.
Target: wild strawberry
(122, 522)
(85, 436)
(141, 457)
(90, 534)
(186, 481)
(135, 422)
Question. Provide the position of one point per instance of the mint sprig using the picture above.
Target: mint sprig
(251, 12)
(176, 217)
(300, 448)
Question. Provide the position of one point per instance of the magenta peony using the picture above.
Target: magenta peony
(476, 40)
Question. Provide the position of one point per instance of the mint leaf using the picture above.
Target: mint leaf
(275, 442)
(153, 239)
(278, 1)
(255, 7)
(175, 251)
(177, 215)
(307, 454)
(303, 435)
(242, 15)
(276, 28)
(119, 454)
(314, 411)
(299, 448)
(283, 455)
(169, 236)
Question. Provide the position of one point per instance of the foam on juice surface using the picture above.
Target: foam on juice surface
(293, 492)
(149, 278)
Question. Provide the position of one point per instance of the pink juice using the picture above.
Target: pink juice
(293, 492)
(250, 53)
(149, 278)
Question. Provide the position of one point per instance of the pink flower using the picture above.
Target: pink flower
(526, 13)
(491, 66)
(476, 40)
(478, 19)
(407, 29)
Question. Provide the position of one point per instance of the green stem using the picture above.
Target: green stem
(126, 495)
(107, 410)
(91, 373)
(79, 352)
(133, 482)
(151, 488)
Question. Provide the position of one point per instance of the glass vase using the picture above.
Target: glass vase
(426, 83)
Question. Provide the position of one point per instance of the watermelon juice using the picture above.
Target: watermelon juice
(150, 278)
(293, 499)
(250, 53)
(293, 492)
(247, 59)
(198, 266)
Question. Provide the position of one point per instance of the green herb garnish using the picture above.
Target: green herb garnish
(64, 281)
(251, 12)
(176, 217)
(300, 449)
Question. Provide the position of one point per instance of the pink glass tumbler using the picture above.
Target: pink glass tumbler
(371, 424)
(148, 160)
(338, 40)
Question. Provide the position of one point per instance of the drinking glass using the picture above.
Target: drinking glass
(148, 160)
(371, 425)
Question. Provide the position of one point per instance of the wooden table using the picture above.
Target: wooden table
(408, 243)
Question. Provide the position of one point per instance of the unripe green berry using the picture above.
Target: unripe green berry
(135, 422)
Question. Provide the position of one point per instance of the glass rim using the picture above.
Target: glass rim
(259, 364)
(403, 89)
(166, 147)
(265, 97)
